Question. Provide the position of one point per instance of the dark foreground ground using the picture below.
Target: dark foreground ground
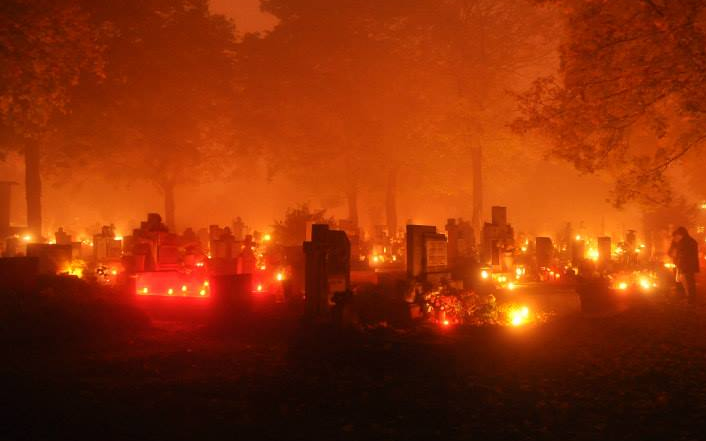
(637, 375)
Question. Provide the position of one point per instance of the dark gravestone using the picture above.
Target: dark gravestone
(604, 249)
(498, 238)
(461, 241)
(427, 253)
(545, 251)
(578, 251)
(415, 248)
(232, 293)
(327, 268)
(52, 259)
(62, 237)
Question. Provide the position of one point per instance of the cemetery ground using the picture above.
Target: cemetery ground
(98, 368)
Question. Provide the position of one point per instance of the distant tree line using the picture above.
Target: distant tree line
(351, 96)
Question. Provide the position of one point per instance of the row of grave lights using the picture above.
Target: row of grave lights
(184, 289)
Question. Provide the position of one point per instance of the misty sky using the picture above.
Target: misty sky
(540, 195)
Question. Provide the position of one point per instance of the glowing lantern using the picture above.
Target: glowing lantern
(170, 291)
(145, 290)
(280, 277)
(592, 254)
(259, 287)
(202, 292)
(519, 316)
(511, 286)
(484, 274)
(267, 237)
(183, 288)
(27, 238)
(622, 286)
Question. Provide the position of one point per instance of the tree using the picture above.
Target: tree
(46, 48)
(292, 230)
(371, 90)
(306, 80)
(483, 48)
(630, 98)
(163, 113)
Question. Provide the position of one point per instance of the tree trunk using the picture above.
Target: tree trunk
(477, 165)
(33, 188)
(352, 197)
(391, 201)
(169, 206)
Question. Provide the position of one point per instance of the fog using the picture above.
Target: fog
(324, 105)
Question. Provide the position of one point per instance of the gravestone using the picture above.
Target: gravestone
(238, 229)
(247, 260)
(544, 251)
(62, 237)
(461, 240)
(52, 259)
(604, 249)
(327, 268)
(427, 253)
(578, 252)
(497, 240)
(105, 245)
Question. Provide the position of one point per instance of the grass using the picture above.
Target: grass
(640, 374)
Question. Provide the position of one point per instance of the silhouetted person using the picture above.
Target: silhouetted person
(685, 252)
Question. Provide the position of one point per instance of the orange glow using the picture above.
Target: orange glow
(519, 316)
(170, 291)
